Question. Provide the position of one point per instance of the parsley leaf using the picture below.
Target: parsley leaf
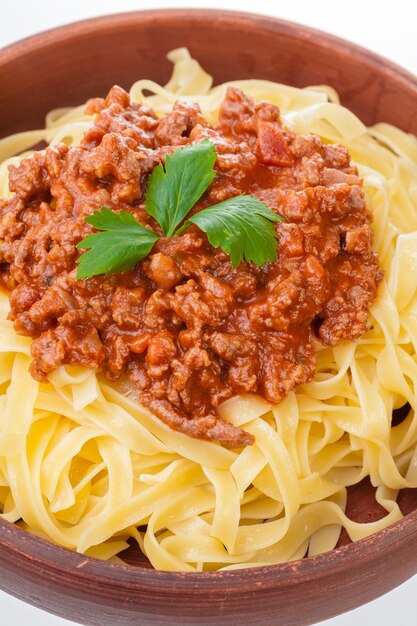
(121, 244)
(241, 226)
(173, 192)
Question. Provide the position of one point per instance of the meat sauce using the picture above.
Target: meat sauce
(183, 325)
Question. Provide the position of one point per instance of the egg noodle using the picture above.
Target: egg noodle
(84, 465)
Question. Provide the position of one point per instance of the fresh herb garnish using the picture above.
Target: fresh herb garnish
(173, 192)
(241, 226)
(122, 243)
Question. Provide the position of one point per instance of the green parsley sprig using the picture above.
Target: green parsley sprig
(121, 244)
(242, 226)
(173, 192)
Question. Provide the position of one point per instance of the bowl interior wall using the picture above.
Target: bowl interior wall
(86, 60)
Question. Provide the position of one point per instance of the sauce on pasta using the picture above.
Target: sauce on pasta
(188, 329)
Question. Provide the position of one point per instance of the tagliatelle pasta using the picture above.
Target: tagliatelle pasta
(84, 465)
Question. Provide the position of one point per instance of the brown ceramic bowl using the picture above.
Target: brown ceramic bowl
(70, 64)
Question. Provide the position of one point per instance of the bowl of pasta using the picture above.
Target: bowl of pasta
(208, 305)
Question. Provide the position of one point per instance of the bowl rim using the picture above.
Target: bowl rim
(66, 31)
(78, 567)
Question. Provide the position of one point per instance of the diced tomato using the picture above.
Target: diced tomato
(272, 146)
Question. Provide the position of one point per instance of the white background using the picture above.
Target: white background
(386, 27)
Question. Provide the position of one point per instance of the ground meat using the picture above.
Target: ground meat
(163, 270)
(185, 326)
(174, 128)
(117, 115)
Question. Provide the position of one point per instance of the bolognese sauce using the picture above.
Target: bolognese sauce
(186, 327)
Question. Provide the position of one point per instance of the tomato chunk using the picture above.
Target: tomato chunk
(272, 146)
